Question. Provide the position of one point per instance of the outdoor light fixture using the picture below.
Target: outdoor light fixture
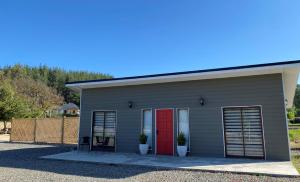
(201, 101)
(130, 104)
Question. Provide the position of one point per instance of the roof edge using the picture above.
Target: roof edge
(189, 72)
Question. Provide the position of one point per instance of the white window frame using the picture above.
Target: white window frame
(177, 122)
(142, 124)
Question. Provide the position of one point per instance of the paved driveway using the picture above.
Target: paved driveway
(21, 162)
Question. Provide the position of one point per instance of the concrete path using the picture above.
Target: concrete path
(248, 166)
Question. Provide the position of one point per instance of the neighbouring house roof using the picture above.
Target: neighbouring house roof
(288, 69)
(69, 106)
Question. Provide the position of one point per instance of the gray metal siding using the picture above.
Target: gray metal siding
(206, 128)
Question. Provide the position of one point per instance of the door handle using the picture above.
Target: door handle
(156, 132)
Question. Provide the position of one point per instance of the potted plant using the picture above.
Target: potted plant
(181, 147)
(143, 144)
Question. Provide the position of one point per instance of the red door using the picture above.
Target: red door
(164, 132)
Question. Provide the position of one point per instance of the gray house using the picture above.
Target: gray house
(225, 112)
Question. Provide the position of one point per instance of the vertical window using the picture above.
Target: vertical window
(243, 132)
(104, 130)
(183, 125)
(147, 125)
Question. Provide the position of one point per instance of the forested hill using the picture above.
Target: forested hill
(52, 77)
(33, 91)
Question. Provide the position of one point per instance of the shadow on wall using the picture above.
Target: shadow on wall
(28, 158)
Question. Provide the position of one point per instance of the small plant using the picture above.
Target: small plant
(181, 139)
(143, 139)
(291, 113)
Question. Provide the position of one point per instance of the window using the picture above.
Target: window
(183, 125)
(104, 130)
(243, 132)
(147, 125)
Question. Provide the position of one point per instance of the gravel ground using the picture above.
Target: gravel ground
(20, 162)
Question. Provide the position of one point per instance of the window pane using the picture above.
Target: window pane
(104, 124)
(183, 125)
(147, 125)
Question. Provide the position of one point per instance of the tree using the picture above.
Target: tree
(297, 97)
(33, 91)
(10, 104)
(52, 77)
(40, 98)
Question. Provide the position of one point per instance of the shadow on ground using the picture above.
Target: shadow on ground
(28, 158)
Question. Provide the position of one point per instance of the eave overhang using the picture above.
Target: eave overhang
(289, 71)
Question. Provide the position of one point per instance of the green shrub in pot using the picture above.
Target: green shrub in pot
(181, 145)
(143, 147)
(181, 139)
(143, 138)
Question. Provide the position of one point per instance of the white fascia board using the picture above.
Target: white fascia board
(290, 79)
(188, 77)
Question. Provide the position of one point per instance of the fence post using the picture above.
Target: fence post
(62, 129)
(34, 131)
(11, 128)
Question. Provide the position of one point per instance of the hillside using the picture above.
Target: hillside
(31, 91)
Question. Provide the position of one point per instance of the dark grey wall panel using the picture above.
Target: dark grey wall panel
(206, 128)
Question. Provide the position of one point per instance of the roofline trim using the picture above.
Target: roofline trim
(99, 81)
(187, 72)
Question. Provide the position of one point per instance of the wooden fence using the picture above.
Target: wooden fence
(45, 130)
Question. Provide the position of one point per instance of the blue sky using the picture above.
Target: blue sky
(125, 38)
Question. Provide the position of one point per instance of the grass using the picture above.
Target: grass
(294, 145)
(294, 135)
(294, 138)
(296, 162)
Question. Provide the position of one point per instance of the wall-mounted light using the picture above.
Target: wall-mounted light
(201, 101)
(130, 104)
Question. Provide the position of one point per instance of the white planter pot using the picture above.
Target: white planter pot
(182, 150)
(143, 148)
